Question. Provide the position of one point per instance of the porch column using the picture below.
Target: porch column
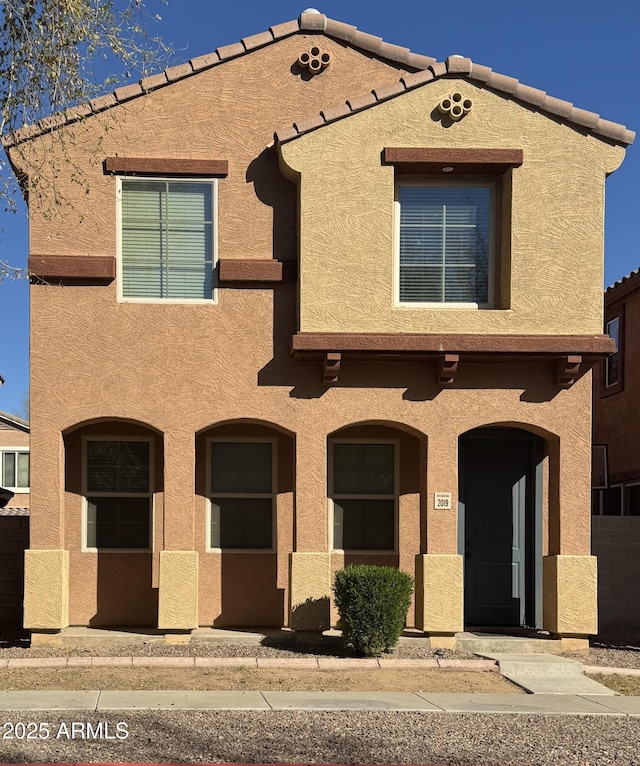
(570, 592)
(46, 590)
(439, 578)
(178, 581)
(310, 563)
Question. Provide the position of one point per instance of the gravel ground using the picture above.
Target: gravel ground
(352, 737)
(609, 656)
(11, 648)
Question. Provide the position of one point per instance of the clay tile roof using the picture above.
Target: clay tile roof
(311, 22)
(14, 420)
(16, 511)
(463, 67)
(305, 23)
(630, 281)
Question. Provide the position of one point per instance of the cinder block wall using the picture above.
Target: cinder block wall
(616, 542)
(14, 538)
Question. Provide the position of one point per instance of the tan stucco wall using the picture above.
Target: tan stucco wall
(46, 589)
(310, 591)
(182, 370)
(178, 591)
(570, 585)
(440, 592)
(553, 251)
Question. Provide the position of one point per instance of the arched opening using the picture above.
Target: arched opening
(113, 521)
(376, 488)
(245, 494)
(503, 508)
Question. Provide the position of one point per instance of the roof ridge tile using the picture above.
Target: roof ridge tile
(367, 42)
(341, 30)
(313, 22)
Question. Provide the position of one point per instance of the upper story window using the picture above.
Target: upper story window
(612, 365)
(444, 236)
(15, 470)
(118, 493)
(167, 240)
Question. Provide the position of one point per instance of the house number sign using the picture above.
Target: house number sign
(442, 501)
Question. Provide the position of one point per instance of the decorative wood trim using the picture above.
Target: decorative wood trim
(100, 268)
(331, 368)
(567, 370)
(431, 344)
(446, 368)
(157, 166)
(235, 270)
(463, 161)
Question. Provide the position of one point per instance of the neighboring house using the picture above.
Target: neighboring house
(14, 516)
(616, 426)
(307, 322)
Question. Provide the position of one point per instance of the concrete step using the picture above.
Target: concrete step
(480, 643)
(546, 674)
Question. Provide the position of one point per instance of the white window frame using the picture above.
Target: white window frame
(395, 497)
(150, 494)
(259, 495)
(618, 351)
(121, 298)
(480, 182)
(15, 450)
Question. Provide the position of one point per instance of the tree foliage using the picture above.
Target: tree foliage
(55, 54)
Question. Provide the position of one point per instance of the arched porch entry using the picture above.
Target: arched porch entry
(501, 506)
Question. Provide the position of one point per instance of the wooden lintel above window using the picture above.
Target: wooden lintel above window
(232, 271)
(462, 161)
(86, 268)
(158, 166)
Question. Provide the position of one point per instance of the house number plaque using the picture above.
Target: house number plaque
(442, 501)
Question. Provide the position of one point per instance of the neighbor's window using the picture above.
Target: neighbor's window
(444, 244)
(612, 368)
(363, 490)
(15, 470)
(167, 245)
(632, 500)
(242, 494)
(118, 491)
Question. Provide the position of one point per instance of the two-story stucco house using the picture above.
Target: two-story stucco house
(315, 300)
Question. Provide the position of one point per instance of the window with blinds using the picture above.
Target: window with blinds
(242, 495)
(15, 470)
(444, 247)
(167, 239)
(118, 492)
(363, 490)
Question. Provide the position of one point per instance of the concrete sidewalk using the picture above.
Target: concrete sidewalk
(530, 704)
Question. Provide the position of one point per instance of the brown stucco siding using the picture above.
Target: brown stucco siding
(616, 420)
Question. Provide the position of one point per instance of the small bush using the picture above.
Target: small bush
(373, 603)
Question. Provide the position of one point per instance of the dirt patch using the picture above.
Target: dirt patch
(627, 685)
(249, 679)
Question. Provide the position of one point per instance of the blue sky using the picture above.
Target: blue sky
(583, 51)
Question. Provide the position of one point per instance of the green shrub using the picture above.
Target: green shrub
(373, 603)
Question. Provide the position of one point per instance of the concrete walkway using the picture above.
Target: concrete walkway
(530, 704)
(547, 674)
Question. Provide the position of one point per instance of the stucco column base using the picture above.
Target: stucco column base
(178, 590)
(570, 595)
(46, 638)
(177, 638)
(310, 591)
(576, 644)
(439, 594)
(442, 641)
(46, 590)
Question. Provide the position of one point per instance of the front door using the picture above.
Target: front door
(497, 501)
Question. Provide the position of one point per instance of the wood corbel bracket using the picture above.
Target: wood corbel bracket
(446, 369)
(331, 368)
(567, 370)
